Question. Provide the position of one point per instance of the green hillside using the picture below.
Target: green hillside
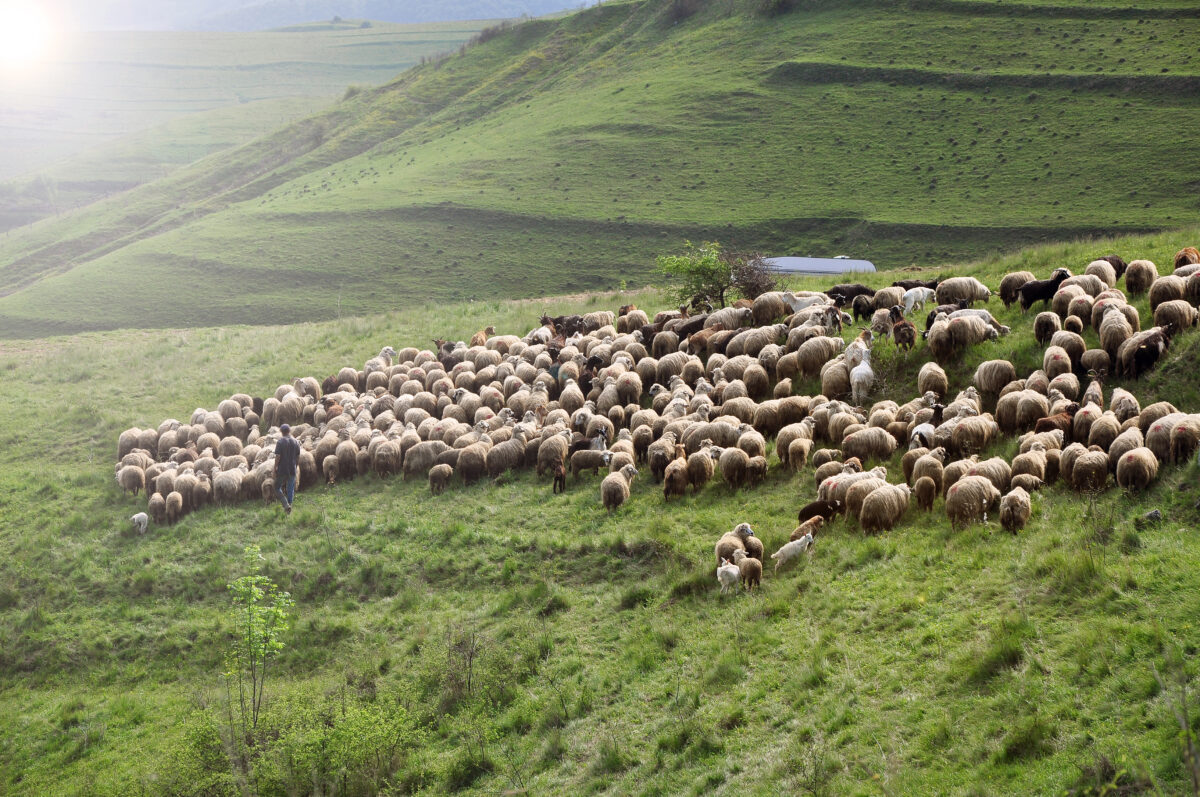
(922, 661)
(562, 155)
(118, 109)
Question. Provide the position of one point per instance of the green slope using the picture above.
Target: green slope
(564, 154)
(920, 662)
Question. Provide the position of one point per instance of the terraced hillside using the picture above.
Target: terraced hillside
(562, 155)
(602, 658)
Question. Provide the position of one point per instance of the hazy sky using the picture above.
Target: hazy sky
(247, 14)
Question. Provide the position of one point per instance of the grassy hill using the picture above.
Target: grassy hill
(119, 109)
(562, 155)
(921, 661)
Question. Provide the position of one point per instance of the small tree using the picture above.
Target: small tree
(260, 615)
(703, 275)
(750, 274)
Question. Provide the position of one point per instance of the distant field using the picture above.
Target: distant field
(124, 108)
(566, 154)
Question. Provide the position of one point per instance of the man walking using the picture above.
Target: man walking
(287, 459)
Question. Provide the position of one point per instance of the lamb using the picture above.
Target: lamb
(675, 479)
(809, 527)
(157, 507)
(958, 289)
(931, 378)
(614, 490)
(560, 479)
(1036, 291)
(969, 500)
(727, 575)
(904, 335)
(1139, 276)
(140, 521)
(884, 507)
(1011, 284)
(826, 510)
(992, 375)
(926, 492)
(791, 550)
(1014, 510)
(751, 569)
(439, 477)
(174, 507)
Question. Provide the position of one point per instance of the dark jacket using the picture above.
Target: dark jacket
(287, 456)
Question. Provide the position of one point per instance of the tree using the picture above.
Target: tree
(703, 275)
(260, 615)
(708, 273)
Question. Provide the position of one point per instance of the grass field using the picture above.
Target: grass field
(563, 155)
(921, 661)
(119, 109)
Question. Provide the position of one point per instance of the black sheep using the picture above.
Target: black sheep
(1041, 290)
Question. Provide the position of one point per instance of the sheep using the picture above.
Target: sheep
(826, 510)
(791, 550)
(1011, 283)
(1139, 276)
(675, 478)
(767, 307)
(884, 507)
(1014, 510)
(809, 527)
(1141, 352)
(560, 479)
(862, 380)
(131, 479)
(1125, 442)
(1114, 330)
(858, 493)
(871, 443)
(992, 375)
(969, 500)
(1056, 361)
(614, 490)
(1175, 313)
(996, 470)
(1103, 431)
(973, 433)
(553, 452)
(931, 378)
(926, 492)
(904, 335)
(731, 541)
(589, 459)
(140, 521)
(835, 378)
(1165, 289)
(1185, 439)
(1102, 270)
(157, 508)
(1158, 435)
(881, 323)
(727, 575)
(174, 507)
(733, 463)
(439, 477)
(1154, 412)
(1090, 472)
(847, 292)
(1095, 360)
(423, 456)
(330, 468)
(1186, 256)
(751, 569)
(931, 466)
(958, 289)
(1034, 291)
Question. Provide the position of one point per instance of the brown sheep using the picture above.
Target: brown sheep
(926, 492)
(439, 477)
(1186, 256)
(1027, 482)
(810, 526)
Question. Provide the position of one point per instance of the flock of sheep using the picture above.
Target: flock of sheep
(689, 396)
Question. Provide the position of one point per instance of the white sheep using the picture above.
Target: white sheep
(140, 521)
(792, 549)
(862, 379)
(727, 575)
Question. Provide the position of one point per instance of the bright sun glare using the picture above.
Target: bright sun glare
(26, 34)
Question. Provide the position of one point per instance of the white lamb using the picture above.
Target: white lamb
(140, 521)
(792, 549)
(862, 379)
(915, 299)
(727, 575)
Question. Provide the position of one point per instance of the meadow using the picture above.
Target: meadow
(561, 155)
(500, 638)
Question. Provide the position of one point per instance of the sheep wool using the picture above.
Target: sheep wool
(1014, 510)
